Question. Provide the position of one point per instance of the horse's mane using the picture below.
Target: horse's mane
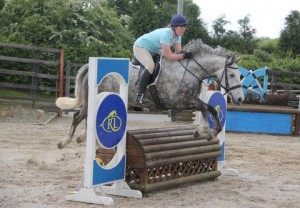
(197, 46)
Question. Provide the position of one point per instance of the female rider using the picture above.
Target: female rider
(146, 46)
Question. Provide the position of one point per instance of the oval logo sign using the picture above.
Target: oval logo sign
(218, 102)
(111, 120)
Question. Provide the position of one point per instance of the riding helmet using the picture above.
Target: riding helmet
(178, 20)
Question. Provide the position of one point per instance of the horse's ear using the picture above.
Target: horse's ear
(237, 59)
(230, 59)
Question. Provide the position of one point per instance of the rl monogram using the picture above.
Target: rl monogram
(112, 123)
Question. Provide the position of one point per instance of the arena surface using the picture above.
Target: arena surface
(34, 173)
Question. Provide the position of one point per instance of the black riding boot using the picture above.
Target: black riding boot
(142, 85)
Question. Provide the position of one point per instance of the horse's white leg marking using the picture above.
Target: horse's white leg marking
(64, 142)
(203, 126)
(82, 137)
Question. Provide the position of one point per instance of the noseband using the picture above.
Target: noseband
(227, 88)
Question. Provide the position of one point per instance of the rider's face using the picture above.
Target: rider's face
(180, 30)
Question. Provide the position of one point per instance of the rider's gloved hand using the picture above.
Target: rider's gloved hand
(187, 55)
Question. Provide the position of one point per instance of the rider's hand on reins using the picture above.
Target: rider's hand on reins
(187, 55)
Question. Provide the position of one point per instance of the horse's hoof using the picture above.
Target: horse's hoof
(196, 134)
(209, 136)
(78, 140)
(59, 145)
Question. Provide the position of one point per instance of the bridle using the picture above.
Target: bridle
(227, 88)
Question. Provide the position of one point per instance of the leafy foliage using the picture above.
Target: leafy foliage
(82, 28)
(290, 36)
(219, 26)
(242, 41)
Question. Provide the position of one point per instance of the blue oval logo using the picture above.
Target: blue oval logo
(111, 120)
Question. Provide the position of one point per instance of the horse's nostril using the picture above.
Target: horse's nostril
(240, 100)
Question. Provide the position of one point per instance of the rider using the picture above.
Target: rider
(146, 46)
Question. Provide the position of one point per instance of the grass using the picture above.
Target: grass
(27, 94)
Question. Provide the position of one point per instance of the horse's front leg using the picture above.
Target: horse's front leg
(203, 130)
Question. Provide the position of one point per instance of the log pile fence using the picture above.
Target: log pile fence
(165, 157)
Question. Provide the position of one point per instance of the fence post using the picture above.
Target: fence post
(274, 80)
(35, 79)
(67, 78)
(61, 77)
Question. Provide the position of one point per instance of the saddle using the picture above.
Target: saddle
(157, 61)
(151, 85)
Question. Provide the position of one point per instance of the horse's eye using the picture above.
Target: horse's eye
(231, 75)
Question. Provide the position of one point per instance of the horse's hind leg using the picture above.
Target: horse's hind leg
(77, 118)
(82, 137)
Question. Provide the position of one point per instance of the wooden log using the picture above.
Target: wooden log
(175, 182)
(185, 115)
(170, 145)
(166, 140)
(181, 152)
(137, 151)
(163, 134)
(157, 130)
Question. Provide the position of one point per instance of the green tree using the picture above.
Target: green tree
(230, 39)
(82, 28)
(152, 14)
(269, 45)
(245, 29)
(144, 19)
(219, 26)
(248, 34)
(289, 40)
(123, 7)
(2, 3)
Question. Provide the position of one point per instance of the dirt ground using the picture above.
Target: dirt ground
(34, 173)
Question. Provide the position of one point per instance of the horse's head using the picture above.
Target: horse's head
(230, 79)
(220, 63)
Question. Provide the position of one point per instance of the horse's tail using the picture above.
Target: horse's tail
(71, 103)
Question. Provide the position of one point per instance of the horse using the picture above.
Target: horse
(178, 87)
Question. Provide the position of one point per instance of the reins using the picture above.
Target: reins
(186, 69)
(226, 87)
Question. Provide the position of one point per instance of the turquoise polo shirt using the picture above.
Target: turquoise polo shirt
(152, 41)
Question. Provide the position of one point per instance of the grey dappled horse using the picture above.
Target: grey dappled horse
(178, 87)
